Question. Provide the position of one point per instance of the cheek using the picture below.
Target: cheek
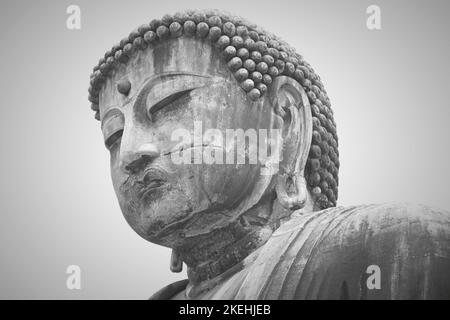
(227, 184)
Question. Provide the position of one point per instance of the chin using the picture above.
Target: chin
(158, 220)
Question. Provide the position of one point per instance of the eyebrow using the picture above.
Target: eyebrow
(178, 73)
(147, 85)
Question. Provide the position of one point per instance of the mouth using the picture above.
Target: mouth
(148, 191)
(150, 184)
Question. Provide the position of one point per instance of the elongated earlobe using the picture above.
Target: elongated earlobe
(297, 199)
(176, 264)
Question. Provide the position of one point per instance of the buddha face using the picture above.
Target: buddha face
(153, 110)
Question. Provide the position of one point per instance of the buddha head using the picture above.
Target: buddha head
(188, 102)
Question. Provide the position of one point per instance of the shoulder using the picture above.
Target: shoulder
(169, 291)
(391, 221)
(328, 254)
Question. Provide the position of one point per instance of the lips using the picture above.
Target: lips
(151, 181)
(150, 189)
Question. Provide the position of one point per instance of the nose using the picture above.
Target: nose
(134, 160)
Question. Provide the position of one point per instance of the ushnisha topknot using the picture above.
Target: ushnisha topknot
(255, 57)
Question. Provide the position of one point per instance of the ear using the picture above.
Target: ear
(291, 104)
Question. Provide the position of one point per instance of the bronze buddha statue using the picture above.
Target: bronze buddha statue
(265, 229)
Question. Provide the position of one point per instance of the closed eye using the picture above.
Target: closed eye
(168, 100)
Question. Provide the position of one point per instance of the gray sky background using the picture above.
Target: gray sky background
(389, 90)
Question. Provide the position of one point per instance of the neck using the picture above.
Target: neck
(216, 253)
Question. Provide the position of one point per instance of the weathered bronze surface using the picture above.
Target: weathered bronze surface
(244, 233)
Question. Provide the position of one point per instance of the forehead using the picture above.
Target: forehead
(180, 55)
